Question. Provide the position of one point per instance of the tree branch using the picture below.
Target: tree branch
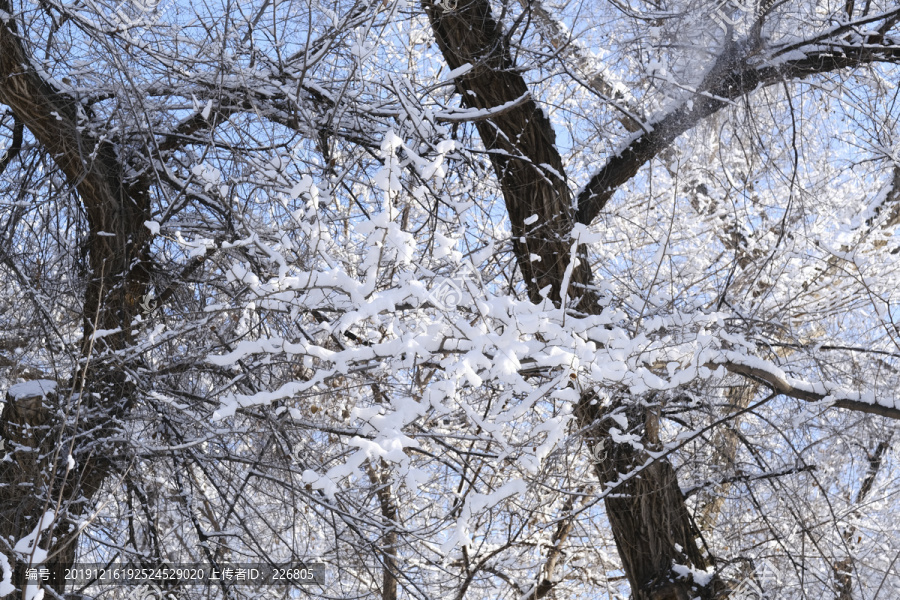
(51, 116)
(802, 390)
(731, 76)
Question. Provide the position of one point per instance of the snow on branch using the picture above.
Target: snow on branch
(463, 116)
(824, 392)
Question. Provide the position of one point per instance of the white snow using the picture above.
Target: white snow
(699, 577)
(27, 549)
(482, 113)
(6, 586)
(100, 333)
(459, 71)
(476, 503)
(31, 389)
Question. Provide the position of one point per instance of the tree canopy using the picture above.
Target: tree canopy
(455, 299)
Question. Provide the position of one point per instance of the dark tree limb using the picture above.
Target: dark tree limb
(522, 146)
(734, 74)
(116, 209)
(649, 518)
(777, 383)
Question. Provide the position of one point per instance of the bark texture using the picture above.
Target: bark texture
(647, 512)
(116, 209)
(522, 147)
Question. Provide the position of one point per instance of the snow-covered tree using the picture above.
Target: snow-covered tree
(460, 299)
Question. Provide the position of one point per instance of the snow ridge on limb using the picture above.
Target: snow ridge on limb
(832, 395)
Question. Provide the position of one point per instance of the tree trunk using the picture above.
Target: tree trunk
(647, 512)
(650, 521)
(39, 431)
(527, 164)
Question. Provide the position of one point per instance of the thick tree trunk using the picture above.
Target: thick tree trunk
(649, 518)
(650, 521)
(39, 431)
(523, 150)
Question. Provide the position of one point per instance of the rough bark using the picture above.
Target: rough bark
(649, 518)
(647, 512)
(23, 429)
(116, 210)
(522, 147)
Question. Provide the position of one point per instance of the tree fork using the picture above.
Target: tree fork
(649, 518)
